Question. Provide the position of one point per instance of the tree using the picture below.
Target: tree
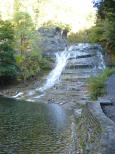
(105, 7)
(8, 68)
(23, 31)
(106, 20)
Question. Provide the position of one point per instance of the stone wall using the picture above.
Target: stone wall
(96, 132)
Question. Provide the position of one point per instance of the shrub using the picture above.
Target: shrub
(31, 65)
(96, 85)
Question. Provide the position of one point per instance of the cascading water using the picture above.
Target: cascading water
(102, 63)
(53, 77)
(70, 56)
(99, 66)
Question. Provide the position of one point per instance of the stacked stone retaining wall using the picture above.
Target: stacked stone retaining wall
(96, 132)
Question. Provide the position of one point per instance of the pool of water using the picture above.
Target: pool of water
(33, 128)
(43, 128)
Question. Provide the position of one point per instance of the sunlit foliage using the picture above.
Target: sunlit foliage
(23, 30)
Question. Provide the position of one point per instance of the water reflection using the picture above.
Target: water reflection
(32, 128)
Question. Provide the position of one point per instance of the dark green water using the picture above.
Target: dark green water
(33, 128)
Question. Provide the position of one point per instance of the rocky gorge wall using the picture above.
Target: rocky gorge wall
(52, 39)
(96, 132)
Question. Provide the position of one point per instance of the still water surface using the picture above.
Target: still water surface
(33, 128)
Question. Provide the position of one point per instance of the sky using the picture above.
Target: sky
(80, 14)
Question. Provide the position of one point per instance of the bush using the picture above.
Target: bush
(96, 85)
(31, 65)
(77, 37)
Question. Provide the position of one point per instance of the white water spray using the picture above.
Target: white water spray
(101, 61)
(53, 77)
(61, 61)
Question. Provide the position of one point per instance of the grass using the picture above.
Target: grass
(96, 85)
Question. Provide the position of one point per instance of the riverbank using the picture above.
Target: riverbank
(21, 86)
(96, 125)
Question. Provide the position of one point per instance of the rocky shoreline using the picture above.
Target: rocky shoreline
(21, 86)
(17, 87)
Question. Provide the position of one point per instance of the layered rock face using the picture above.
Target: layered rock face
(52, 39)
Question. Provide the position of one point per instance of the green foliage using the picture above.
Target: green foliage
(96, 85)
(45, 63)
(80, 36)
(22, 37)
(62, 26)
(109, 34)
(109, 30)
(8, 66)
(106, 23)
(104, 30)
(95, 34)
(31, 65)
(105, 7)
(29, 56)
(23, 31)
(92, 35)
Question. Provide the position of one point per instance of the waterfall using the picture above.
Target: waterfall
(100, 66)
(85, 53)
(101, 61)
(61, 61)
(53, 77)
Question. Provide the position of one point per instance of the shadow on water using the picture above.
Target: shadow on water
(32, 128)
